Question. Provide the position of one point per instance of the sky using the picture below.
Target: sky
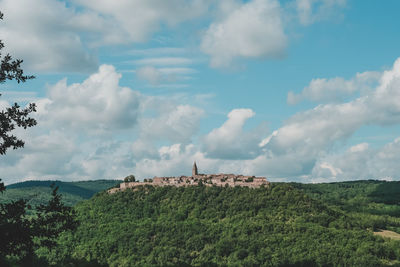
(293, 90)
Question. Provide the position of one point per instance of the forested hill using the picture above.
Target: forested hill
(39, 192)
(385, 192)
(212, 226)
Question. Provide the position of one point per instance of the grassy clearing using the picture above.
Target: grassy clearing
(389, 234)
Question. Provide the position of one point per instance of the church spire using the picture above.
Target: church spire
(194, 169)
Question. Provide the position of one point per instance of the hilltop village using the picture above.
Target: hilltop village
(221, 179)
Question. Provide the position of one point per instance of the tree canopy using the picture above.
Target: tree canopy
(21, 234)
(213, 226)
(130, 178)
(14, 116)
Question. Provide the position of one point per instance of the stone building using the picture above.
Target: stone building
(221, 179)
(194, 169)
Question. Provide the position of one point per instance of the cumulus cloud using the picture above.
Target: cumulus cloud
(58, 35)
(359, 148)
(44, 156)
(253, 30)
(362, 162)
(178, 159)
(45, 34)
(106, 159)
(309, 135)
(176, 124)
(171, 160)
(161, 136)
(173, 123)
(336, 89)
(137, 20)
(97, 130)
(230, 141)
(303, 147)
(97, 104)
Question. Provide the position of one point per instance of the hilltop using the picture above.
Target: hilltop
(220, 179)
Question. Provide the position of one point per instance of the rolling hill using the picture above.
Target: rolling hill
(286, 224)
(39, 192)
(211, 226)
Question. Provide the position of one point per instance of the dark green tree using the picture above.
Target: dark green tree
(53, 219)
(130, 178)
(20, 233)
(15, 116)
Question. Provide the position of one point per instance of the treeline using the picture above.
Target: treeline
(373, 204)
(23, 233)
(39, 192)
(212, 226)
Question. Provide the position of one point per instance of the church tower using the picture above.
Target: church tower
(194, 169)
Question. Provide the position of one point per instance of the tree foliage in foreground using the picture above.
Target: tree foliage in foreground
(214, 226)
(21, 234)
(14, 116)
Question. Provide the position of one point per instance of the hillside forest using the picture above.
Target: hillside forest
(285, 224)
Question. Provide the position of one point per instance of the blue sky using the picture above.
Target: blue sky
(295, 90)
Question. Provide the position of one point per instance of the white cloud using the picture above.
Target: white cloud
(308, 136)
(332, 170)
(45, 34)
(18, 96)
(69, 141)
(171, 160)
(43, 157)
(303, 148)
(58, 35)
(156, 76)
(111, 159)
(368, 163)
(144, 148)
(173, 123)
(177, 159)
(150, 74)
(230, 141)
(163, 66)
(252, 30)
(137, 20)
(359, 148)
(169, 123)
(98, 104)
(177, 71)
(310, 11)
(164, 61)
(164, 140)
(336, 89)
(159, 51)
(4, 104)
